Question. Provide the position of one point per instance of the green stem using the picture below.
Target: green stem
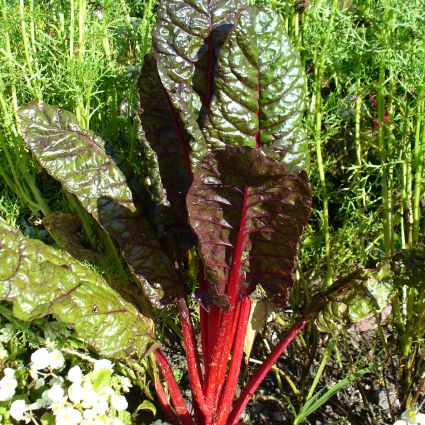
(28, 57)
(318, 143)
(71, 29)
(384, 165)
(419, 152)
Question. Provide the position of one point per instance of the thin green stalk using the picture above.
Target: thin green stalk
(318, 143)
(32, 27)
(81, 28)
(360, 197)
(11, 71)
(36, 92)
(319, 373)
(419, 152)
(384, 166)
(71, 29)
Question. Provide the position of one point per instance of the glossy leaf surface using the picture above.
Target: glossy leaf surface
(76, 158)
(259, 92)
(186, 39)
(248, 212)
(170, 142)
(40, 280)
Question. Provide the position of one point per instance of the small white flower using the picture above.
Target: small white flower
(103, 364)
(75, 375)
(98, 14)
(94, 421)
(117, 421)
(411, 417)
(40, 403)
(68, 416)
(33, 373)
(125, 384)
(75, 392)
(119, 402)
(39, 382)
(3, 353)
(56, 393)
(106, 392)
(40, 359)
(8, 371)
(8, 386)
(90, 398)
(56, 359)
(17, 410)
(100, 407)
(89, 414)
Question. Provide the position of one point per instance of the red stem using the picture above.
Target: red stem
(316, 304)
(203, 286)
(163, 400)
(192, 358)
(228, 394)
(174, 390)
(225, 337)
(214, 318)
(225, 341)
(273, 357)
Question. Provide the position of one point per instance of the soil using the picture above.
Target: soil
(370, 400)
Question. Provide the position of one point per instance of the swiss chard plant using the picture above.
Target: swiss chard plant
(221, 103)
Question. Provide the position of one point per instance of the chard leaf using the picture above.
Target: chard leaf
(187, 37)
(259, 93)
(248, 212)
(76, 158)
(170, 142)
(40, 280)
(64, 228)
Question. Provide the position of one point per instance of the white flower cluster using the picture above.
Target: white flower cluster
(93, 398)
(411, 417)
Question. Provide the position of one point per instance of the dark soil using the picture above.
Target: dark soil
(372, 399)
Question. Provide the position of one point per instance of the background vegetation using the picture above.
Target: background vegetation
(366, 133)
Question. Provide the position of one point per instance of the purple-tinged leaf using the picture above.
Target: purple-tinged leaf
(170, 142)
(248, 212)
(40, 280)
(76, 158)
(64, 228)
(259, 90)
(142, 251)
(186, 39)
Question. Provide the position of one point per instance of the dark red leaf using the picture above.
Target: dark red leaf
(248, 212)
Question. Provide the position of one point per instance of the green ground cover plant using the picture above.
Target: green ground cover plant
(363, 62)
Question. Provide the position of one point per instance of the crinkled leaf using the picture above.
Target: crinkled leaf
(259, 93)
(141, 250)
(76, 158)
(40, 280)
(64, 228)
(169, 140)
(366, 293)
(187, 37)
(248, 212)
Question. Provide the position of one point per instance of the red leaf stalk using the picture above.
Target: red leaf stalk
(273, 357)
(225, 337)
(192, 358)
(232, 380)
(175, 394)
(163, 400)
